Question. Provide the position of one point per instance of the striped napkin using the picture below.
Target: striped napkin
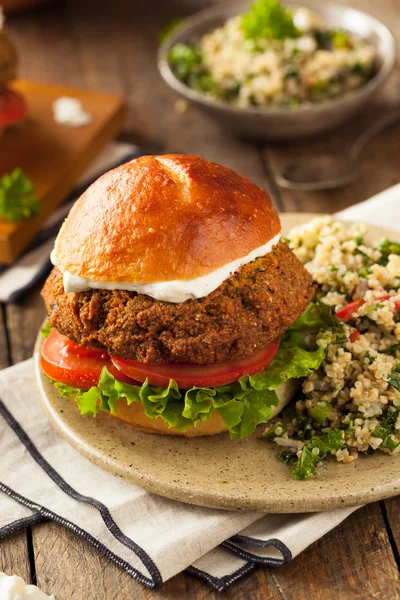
(150, 537)
(17, 279)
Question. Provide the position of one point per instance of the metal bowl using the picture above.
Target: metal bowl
(285, 123)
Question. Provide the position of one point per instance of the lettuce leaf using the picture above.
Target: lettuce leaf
(316, 316)
(243, 404)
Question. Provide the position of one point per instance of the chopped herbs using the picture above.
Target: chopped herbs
(394, 379)
(18, 200)
(276, 431)
(386, 248)
(315, 451)
(358, 69)
(392, 350)
(373, 307)
(320, 412)
(288, 457)
(185, 60)
(340, 39)
(387, 438)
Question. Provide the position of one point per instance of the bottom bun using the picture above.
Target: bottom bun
(135, 416)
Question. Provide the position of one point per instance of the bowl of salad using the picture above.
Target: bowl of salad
(270, 70)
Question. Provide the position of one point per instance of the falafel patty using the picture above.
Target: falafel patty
(247, 311)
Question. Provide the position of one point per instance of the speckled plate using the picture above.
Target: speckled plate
(215, 471)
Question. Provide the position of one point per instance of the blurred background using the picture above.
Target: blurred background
(112, 46)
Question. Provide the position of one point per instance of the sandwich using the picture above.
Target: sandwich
(12, 105)
(175, 304)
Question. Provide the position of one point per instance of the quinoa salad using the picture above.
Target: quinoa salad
(350, 405)
(274, 56)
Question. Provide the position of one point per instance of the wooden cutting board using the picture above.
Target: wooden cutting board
(53, 156)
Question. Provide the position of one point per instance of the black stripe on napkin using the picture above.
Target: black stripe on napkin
(45, 513)
(70, 491)
(222, 583)
(21, 524)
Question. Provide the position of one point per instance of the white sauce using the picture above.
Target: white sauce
(175, 291)
(13, 587)
(69, 111)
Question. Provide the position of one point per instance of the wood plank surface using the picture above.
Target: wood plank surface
(112, 46)
(14, 556)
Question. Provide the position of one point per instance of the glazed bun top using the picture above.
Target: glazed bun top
(163, 218)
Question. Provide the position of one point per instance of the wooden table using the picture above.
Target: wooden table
(111, 45)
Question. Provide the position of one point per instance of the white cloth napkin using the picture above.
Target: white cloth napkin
(17, 279)
(152, 538)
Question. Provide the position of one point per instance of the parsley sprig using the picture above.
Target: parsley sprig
(17, 197)
(268, 19)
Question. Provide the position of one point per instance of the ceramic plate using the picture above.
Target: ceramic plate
(215, 471)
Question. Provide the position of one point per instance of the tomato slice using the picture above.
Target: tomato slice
(12, 107)
(75, 365)
(354, 336)
(188, 375)
(346, 313)
(388, 297)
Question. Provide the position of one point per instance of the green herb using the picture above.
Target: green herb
(389, 419)
(277, 430)
(46, 329)
(316, 88)
(358, 69)
(373, 307)
(364, 254)
(369, 451)
(315, 451)
(364, 271)
(340, 39)
(168, 29)
(388, 441)
(320, 412)
(359, 240)
(291, 71)
(17, 199)
(231, 91)
(205, 83)
(184, 59)
(288, 457)
(386, 248)
(334, 269)
(323, 39)
(371, 359)
(268, 19)
(391, 350)
(394, 379)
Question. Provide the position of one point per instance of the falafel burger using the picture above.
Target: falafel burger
(174, 302)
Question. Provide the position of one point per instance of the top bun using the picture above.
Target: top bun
(160, 218)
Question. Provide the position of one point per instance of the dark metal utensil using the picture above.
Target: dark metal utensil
(329, 171)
